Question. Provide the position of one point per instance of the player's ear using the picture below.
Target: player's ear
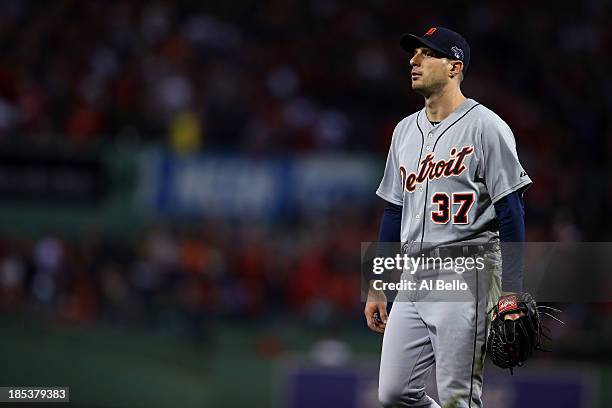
(456, 67)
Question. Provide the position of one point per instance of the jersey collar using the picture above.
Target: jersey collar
(456, 114)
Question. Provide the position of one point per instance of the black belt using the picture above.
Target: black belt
(456, 251)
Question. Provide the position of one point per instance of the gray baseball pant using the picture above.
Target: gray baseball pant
(450, 334)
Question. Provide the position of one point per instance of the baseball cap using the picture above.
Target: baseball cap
(442, 40)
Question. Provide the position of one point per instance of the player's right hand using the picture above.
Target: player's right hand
(376, 315)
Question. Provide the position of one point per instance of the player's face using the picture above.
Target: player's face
(429, 71)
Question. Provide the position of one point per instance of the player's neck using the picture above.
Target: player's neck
(439, 105)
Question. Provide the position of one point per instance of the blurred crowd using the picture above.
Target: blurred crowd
(180, 279)
(312, 76)
(262, 78)
(185, 280)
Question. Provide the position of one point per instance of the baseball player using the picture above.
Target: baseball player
(452, 179)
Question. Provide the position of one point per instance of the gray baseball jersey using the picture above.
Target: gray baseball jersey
(447, 177)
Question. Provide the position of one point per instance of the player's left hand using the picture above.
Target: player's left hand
(516, 329)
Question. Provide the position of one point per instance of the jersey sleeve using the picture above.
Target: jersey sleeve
(390, 188)
(502, 171)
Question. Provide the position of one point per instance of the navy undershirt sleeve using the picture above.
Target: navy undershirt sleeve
(510, 212)
(391, 223)
(390, 227)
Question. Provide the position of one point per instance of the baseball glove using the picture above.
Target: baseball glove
(516, 330)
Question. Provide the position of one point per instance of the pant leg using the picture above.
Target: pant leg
(458, 331)
(406, 359)
(457, 342)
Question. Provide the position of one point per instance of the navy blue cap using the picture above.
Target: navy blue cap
(443, 41)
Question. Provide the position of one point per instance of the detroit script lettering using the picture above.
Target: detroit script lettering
(430, 169)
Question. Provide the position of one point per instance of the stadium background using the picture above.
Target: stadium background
(185, 186)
